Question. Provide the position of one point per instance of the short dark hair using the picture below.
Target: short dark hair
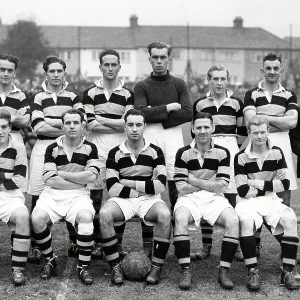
(217, 68)
(159, 45)
(11, 58)
(53, 59)
(73, 111)
(109, 52)
(134, 112)
(272, 57)
(202, 115)
(5, 114)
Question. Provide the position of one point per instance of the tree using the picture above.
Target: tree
(25, 40)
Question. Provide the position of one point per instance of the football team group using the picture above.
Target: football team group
(237, 172)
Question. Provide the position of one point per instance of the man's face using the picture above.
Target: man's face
(259, 134)
(159, 60)
(218, 82)
(55, 74)
(7, 72)
(4, 130)
(134, 128)
(72, 126)
(203, 129)
(110, 67)
(272, 71)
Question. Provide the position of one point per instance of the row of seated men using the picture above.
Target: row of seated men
(165, 105)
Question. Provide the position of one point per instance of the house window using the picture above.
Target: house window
(66, 55)
(125, 57)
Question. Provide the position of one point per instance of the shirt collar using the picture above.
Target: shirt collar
(228, 92)
(14, 89)
(99, 84)
(262, 83)
(61, 139)
(44, 87)
(248, 148)
(125, 150)
(193, 145)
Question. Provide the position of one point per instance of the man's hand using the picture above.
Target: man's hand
(281, 174)
(173, 106)
(22, 111)
(61, 174)
(128, 183)
(191, 178)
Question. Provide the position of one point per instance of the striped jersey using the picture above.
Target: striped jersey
(259, 100)
(84, 157)
(227, 117)
(15, 100)
(148, 171)
(248, 166)
(13, 161)
(214, 166)
(47, 106)
(97, 101)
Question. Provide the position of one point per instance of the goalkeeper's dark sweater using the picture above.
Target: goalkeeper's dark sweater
(152, 94)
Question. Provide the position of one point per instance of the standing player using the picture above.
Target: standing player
(12, 209)
(279, 106)
(47, 107)
(71, 163)
(260, 174)
(12, 98)
(230, 132)
(136, 175)
(106, 103)
(202, 175)
(165, 101)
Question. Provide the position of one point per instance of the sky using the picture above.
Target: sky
(277, 16)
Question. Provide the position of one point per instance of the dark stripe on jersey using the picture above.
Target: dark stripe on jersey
(12, 102)
(20, 170)
(225, 129)
(10, 153)
(110, 116)
(79, 158)
(10, 185)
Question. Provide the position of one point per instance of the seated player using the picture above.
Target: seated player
(135, 177)
(260, 173)
(202, 176)
(70, 164)
(13, 162)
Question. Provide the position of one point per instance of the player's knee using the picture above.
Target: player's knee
(38, 218)
(22, 217)
(85, 228)
(105, 216)
(181, 218)
(164, 215)
(246, 222)
(84, 216)
(289, 221)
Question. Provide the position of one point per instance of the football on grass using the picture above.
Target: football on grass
(136, 266)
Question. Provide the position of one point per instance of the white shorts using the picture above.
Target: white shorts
(136, 207)
(104, 142)
(230, 143)
(64, 204)
(9, 202)
(282, 140)
(169, 140)
(268, 207)
(203, 204)
(36, 183)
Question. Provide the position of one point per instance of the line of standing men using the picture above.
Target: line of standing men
(106, 104)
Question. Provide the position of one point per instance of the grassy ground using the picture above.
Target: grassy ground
(205, 286)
